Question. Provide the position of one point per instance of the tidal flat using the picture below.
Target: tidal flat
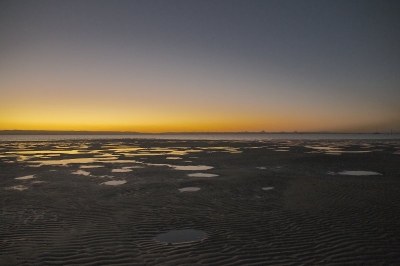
(118, 202)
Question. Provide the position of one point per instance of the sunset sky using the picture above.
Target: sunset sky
(155, 66)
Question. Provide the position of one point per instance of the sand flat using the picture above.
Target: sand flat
(181, 236)
(313, 215)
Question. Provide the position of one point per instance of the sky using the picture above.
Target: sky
(157, 66)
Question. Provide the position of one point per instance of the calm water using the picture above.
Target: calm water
(243, 136)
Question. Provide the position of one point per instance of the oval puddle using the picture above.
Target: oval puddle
(189, 189)
(359, 173)
(25, 177)
(81, 172)
(114, 182)
(202, 175)
(192, 167)
(267, 188)
(121, 170)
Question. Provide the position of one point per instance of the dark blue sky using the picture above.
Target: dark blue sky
(317, 65)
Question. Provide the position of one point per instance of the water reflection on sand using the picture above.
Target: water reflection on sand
(202, 175)
(189, 189)
(114, 182)
(25, 177)
(81, 172)
(121, 170)
(18, 187)
(121, 156)
(191, 167)
(359, 173)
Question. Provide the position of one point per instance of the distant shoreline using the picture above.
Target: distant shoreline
(83, 132)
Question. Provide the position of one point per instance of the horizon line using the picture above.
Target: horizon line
(111, 132)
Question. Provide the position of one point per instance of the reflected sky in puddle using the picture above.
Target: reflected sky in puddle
(358, 173)
(82, 161)
(91, 166)
(114, 182)
(193, 150)
(267, 188)
(191, 167)
(121, 170)
(38, 182)
(189, 189)
(349, 152)
(340, 148)
(81, 172)
(41, 152)
(137, 151)
(214, 149)
(126, 149)
(19, 188)
(202, 175)
(105, 155)
(25, 177)
(181, 236)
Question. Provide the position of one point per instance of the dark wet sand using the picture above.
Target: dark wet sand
(311, 216)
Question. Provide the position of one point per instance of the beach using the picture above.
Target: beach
(200, 202)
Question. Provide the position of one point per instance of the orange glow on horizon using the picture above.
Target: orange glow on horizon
(51, 106)
(197, 124)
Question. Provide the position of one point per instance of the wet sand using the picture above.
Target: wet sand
(115, 202)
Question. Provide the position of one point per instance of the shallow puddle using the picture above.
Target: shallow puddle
(25, 177)
(66, 161)
(90, 166)
(189, 189)
(181, 236)
(359, 173)
(38, 182)
(81, 172)
(191, 167)
(202, 175)
(114, 182)
(267, 188)
(83, 161)
(19, 187)
(121, 170)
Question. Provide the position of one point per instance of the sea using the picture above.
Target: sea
(211, 136)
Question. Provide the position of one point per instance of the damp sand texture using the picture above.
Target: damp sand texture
(256, 206)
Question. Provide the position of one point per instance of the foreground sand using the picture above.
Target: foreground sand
(60, 211)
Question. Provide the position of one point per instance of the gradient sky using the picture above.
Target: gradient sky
(156, 66)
